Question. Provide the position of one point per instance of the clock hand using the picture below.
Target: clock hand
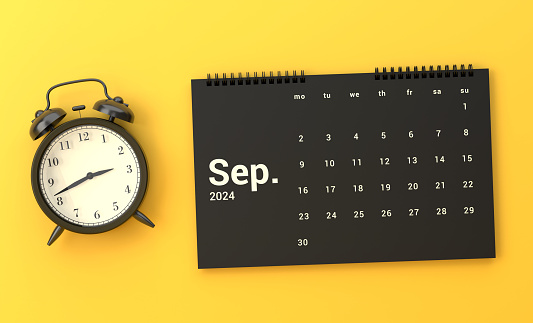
(101, 172)
(87, 177)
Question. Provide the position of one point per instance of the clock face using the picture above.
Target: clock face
(90, 174)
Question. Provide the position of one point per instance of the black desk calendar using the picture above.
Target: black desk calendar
(385, 166)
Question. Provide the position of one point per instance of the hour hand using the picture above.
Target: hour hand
(87, 177)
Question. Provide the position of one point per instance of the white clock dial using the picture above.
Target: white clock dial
(89, 175)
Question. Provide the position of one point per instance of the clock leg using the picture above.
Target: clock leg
(143, 219)
(57, 232)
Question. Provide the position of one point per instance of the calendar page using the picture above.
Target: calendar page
(389, 166)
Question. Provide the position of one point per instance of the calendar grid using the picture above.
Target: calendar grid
(364, 170)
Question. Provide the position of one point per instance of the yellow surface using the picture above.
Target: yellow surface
(148, 52)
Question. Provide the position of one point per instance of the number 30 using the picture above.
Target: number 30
(302, 242)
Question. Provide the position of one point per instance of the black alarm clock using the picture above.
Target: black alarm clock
(89, 175)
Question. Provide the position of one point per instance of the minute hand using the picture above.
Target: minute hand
(87, 177)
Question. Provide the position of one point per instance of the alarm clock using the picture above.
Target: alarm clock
(89, 175)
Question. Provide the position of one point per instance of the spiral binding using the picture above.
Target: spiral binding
(415, 74)
(255, 79)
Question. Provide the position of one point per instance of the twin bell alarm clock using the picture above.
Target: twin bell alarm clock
(89, 175)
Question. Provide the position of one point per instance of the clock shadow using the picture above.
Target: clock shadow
(113, 245)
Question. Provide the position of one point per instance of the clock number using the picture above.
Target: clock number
(303, 216)
(302, 164)
(115, 206)
(129, 169)
(51, 182)
(59, 201)
(301, 138)
(120, 150)
(413, 212)
(358, 214)
(331, 215)
(53, 162)
(103, 139)
(441, 211)
(303, 242)
(65, 146)
(84, 136)
(128, 189)
(469, 210)
(76, 212)
(96, 215)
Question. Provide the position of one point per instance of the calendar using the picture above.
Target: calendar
(294, 169)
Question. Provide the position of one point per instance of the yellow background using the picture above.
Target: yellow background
(147, 52)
